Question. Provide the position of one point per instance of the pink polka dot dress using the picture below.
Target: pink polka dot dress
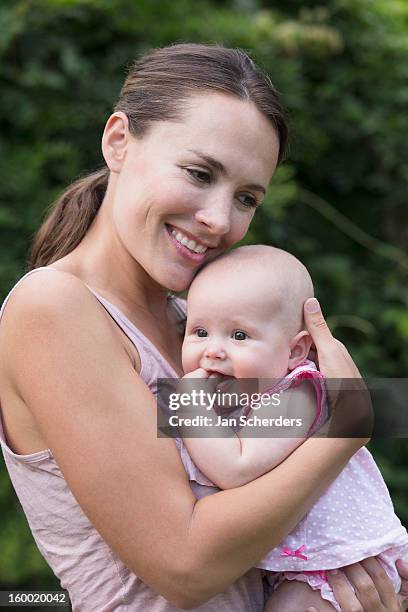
(353, 520)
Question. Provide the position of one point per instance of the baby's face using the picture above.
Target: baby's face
(231, 331)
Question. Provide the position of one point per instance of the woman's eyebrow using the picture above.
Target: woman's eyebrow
(217, 165)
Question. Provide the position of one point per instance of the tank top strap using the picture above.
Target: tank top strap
(153, 364)
(179, 307)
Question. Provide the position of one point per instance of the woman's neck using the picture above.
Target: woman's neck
(120, 280)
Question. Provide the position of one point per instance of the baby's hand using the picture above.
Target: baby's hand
(207, 382)
(198, 373)
(196, 387)
(201, 373)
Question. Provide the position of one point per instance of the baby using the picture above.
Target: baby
(244, 321)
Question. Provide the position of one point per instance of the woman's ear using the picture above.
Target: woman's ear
(299, 349)
(115, 141)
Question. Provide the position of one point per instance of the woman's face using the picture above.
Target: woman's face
(186, 191)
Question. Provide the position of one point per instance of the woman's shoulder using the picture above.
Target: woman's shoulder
(48, 316)
(46, 298)
(53, 304)
(46, 290)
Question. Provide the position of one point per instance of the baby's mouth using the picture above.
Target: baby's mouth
(217, 374)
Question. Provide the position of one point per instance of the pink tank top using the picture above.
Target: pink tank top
(96, 579)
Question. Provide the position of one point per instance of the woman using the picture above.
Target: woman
(190, 149)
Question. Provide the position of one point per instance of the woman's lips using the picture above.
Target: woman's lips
(183, 250)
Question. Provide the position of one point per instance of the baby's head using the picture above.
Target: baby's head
(245, 314)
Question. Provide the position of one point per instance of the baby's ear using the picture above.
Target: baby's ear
(299, 349)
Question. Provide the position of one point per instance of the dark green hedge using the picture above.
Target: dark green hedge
(339, 202)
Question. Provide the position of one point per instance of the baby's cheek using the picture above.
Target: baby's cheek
(248, 364)
(190, 356)
(259, 362)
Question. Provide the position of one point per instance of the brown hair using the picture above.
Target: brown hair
(157, 88)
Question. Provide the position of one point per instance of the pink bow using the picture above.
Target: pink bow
(287, 552)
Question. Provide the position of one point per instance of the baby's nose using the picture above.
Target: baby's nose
(215, 352)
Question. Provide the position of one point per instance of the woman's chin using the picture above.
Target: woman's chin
(178, 280)
(178, 287)
(177, 283)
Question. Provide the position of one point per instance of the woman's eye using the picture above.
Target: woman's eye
(201, 333)
(248, 200)
(199, 175)
(240, 335)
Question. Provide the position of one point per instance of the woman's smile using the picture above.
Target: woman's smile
(187, 246)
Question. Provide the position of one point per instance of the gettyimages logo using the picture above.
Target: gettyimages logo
(199, 397)
(266, 408)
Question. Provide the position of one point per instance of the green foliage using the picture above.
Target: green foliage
(339, 202)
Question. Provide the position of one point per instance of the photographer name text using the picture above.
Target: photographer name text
(200, 420)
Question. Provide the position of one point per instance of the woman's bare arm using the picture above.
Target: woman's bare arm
(99, 419)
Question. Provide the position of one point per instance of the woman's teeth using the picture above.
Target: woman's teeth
(190, 244)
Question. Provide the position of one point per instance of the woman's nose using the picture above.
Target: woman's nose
(216, 216)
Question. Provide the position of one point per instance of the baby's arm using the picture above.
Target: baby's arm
(231, 460)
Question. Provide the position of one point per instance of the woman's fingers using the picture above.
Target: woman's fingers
(354, 372)
(374, 591)
(334, 359)
(373, 588)
(316, 324)
(349, 399)
(344, 594)
(382, 583)
(402, 567)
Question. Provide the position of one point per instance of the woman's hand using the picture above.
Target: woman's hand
(373, 589)
(334, 359)
(402, 567)
(348, 396)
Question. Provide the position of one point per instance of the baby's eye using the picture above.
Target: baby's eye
(201, 333)
(240, 335)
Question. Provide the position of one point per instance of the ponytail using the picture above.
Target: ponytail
(70, 218)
